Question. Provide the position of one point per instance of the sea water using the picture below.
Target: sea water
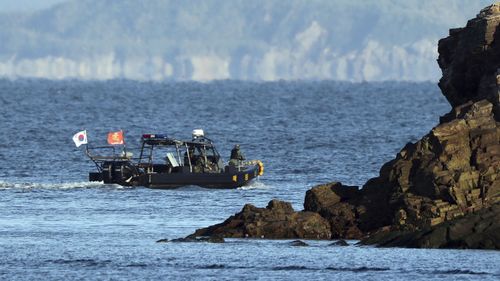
(56, 225)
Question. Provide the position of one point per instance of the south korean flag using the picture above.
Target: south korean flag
(80, 138)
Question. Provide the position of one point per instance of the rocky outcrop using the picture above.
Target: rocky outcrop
(352, 213)
(469, 59)
(452, 171)
(331, 202)
(277, 220)
(443, 179)
(209, 239)
(479, 230)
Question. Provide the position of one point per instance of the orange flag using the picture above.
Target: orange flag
(115, 137)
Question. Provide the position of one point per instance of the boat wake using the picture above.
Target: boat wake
(61, 186)
(256, 184)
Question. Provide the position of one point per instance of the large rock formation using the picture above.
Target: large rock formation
(453, 171)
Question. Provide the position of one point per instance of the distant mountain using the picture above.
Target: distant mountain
(236, 39)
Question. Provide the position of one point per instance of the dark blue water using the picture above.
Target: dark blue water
(55, 225)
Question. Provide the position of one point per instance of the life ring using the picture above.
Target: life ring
(261, 167)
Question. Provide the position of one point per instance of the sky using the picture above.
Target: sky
(26, 5)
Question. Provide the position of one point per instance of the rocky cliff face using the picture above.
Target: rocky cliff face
(469, 59)
(479, 230)
(452, 172)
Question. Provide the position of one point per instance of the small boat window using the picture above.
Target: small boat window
(172, 160)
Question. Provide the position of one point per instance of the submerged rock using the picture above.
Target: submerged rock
(277, 220)
(209, 239)
(298, 243)
(215, 239)
(340, 242)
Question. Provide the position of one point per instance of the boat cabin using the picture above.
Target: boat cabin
(161, 154)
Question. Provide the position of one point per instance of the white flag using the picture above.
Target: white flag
(80, 138)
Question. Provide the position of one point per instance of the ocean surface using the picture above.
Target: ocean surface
(54, 225)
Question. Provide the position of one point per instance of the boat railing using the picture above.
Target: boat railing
(108, 153)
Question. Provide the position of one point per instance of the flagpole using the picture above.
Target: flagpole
(87, 143)
(124, 144)
(87, 150)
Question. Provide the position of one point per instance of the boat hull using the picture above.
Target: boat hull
(231, 178)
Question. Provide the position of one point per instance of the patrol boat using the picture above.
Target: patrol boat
(166, 163)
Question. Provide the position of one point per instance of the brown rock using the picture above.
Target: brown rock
(479, 230)
(331, 201)
(469, 59)
(326, 195)
(190, 239)
(298, 243)
(277, 220)
(351, 213)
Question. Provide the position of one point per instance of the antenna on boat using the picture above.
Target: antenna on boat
(124, 145)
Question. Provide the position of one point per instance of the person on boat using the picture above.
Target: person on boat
(194, 156)
(236, 156)
(200, 162)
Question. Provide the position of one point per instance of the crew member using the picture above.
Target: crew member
(200, 162)
(236, 156)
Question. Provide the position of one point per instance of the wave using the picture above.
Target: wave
(62, 186)
(136, 265)
(292, 267)
(213, 266)
(458, 271)
(86, 185)
(358, 269)
(352, 269)
(81, 262)
(256, 184)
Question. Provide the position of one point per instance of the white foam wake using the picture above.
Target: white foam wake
(255, 184)
(63, 185)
